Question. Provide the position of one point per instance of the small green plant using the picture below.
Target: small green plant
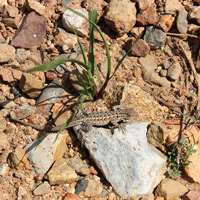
(89, 65)
(179, 157)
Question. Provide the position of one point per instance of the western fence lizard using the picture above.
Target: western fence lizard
(92, 119)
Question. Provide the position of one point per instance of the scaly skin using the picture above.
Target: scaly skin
(92, 119)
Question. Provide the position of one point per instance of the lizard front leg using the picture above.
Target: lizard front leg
(117, 125)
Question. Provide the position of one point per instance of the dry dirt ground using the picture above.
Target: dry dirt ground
(182, 48)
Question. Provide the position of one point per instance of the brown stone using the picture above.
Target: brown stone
(145, 4)
(60, 114)
(12, 11)
(11, 22)
(36, 6)
(173, 6)
(98, 5)
(94, 188)
(157, 134)
(121, 16)
(140, 48)
(6, 74)
(170, 189)
(17, 74)
(7, 53)
(30, 85)
(193, 170)
(65, 38)
(17, 159)
(195, 14)
(61, 173)
(32, 32)
(136, 31)
(4, 143)
(166, 22)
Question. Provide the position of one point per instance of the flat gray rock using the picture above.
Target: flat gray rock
(131, 165)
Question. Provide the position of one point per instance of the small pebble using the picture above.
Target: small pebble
(182, 23)
(65, 48)
(42, 189)
(174, 71)
(154, 37)
(81, 185)
(61, 69)
(51, 75)
(163, 73)
(4, 168)
(166, 65)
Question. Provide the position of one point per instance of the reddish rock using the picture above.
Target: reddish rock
(193, 135)
(193, 171)
(174, 128)
(51, 75)
(192, 195)
(121, 16)
(148, 17)
(140, 48)
(32, 32)
(71, 196)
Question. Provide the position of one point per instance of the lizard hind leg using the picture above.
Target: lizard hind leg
(86, 127)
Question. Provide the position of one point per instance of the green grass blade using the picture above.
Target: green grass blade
(119, 63)
(67, 122)
(84, 86)
(93, 18)
(86, 76)
(53, 64)
(80, 44)
(81, 99)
